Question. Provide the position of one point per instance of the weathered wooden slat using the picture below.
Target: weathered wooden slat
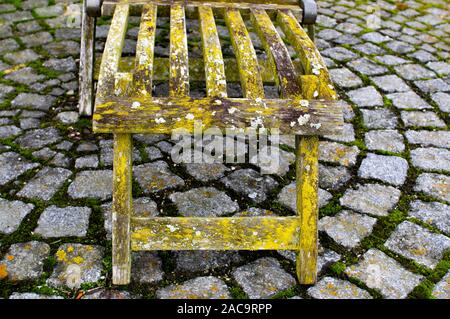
(161, 68)
(216, 85)
(309, 56)
(307, 172)
(122, 208)
(288, 79)
(179, 64)
(113, 51)
(162, 115)
(86, 99)
(251, 81)
(137, 5)
(119, 83)
(216, 233)
(143, 71)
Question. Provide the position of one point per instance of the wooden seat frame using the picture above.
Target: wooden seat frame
(124, 105)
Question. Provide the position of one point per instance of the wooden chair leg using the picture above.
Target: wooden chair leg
(122, 209)
(307, 153)
(86, 74)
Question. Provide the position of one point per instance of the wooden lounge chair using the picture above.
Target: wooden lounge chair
(307, 107)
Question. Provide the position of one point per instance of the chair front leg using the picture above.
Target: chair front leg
(307, 155)
(122, 209)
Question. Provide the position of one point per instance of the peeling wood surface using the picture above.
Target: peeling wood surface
(143, 69)
(215, 233)
(86, 98)
(162, 115)
(216, 84)
(251, 81)
(179, 64)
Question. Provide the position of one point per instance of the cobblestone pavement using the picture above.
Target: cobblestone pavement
(385, 182)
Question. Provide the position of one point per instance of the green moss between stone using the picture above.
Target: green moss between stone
(238, 293)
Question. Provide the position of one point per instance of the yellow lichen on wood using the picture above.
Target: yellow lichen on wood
(307, 173)
(251, 81)
(282, 66)
(216, 84)
(121, 208)
(113, 50)
(122, 203)
(87, 53)
(123, 111)
(162, 115)
(310, 57)
(310, 85)
(143, 70)
(179, 64)
(122, 83)
(216, 233)
(307, 153)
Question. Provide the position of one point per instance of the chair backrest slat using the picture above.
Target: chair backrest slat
(179, 63)
(216, 85)
(113, 50)
(143, 69)
(251, 81)
(287, 78)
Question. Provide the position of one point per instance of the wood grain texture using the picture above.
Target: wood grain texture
(215, 233)
(86, 81)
